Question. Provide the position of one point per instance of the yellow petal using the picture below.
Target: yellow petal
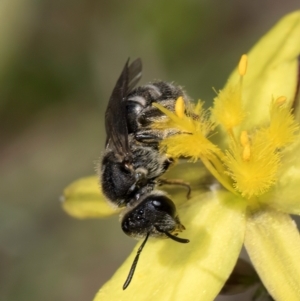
(286, 194)
(273, 244)
(168, 270)
(272, 69)
(82, 199)
(194, 174)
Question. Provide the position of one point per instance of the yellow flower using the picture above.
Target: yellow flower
(250, 144)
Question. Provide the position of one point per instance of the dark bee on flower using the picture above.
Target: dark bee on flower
(132, 162)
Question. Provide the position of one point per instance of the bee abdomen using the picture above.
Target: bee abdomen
(141, 113)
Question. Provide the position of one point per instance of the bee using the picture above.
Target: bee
(132, 162)
(141, 114)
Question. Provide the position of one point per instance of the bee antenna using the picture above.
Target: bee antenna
(133, 266)
(175, 238)
(178, 239)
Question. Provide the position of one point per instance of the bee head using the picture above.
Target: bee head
(155, 214)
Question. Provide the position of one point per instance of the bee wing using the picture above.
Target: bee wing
(134, 74)
(115, 115)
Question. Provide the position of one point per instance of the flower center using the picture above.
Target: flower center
(248, 164)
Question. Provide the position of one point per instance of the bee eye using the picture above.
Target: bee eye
(157, 204)
(164, 204)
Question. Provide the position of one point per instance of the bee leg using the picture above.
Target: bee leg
(161, 182)
(154, 136)
(149, 136)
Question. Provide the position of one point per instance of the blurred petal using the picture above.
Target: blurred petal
(272, 69)
(167, 270)
(82, 199)
(273, 244)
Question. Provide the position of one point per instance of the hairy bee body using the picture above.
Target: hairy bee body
(132, 162)
(141, 114)
(123, 185)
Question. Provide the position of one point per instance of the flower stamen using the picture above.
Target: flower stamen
(246, 152)
(280, 100)
(283, 128)
(243, 65)
(228, 108)
(179, 107)
(191, 140)
(244, 139)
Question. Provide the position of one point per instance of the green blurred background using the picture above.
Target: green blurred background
(59, 60)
